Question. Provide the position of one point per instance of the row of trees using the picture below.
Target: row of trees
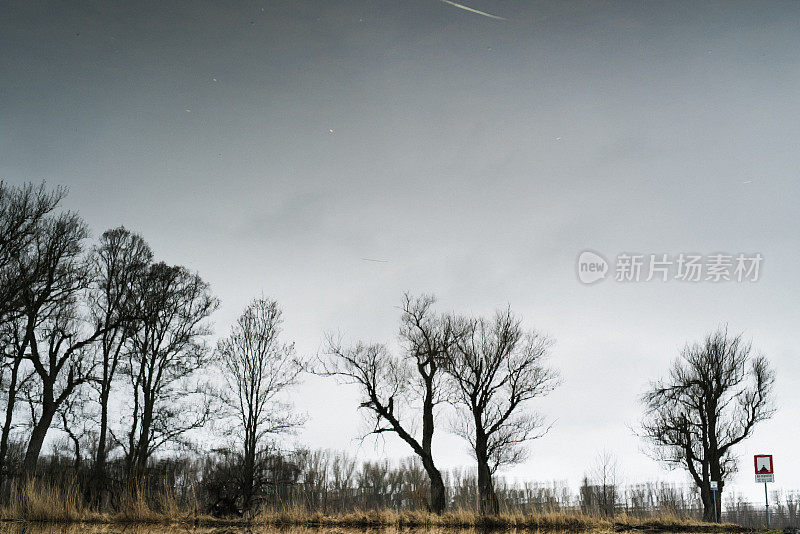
(87, 326)
(717, 391)
(335, 482)
(94, 329)
(490, 368)
(80, 321)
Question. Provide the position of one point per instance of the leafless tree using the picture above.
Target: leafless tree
(258, 368)
(600, 489)
(55, 337)
(497, 367)
(715, 394)
(22, 213)
(76, 420)
(399, 391)
(15, 373)
(118, 261)
(166, 351)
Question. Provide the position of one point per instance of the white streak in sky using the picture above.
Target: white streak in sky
(474, 10)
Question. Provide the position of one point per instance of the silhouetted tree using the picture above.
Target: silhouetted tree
(119, 261)
(53, 334)
(22, 212)
(258, 368)
(76, 420)
(399, 391)
(15, 376)
(497, 368)
(715, 394)
(166, 351)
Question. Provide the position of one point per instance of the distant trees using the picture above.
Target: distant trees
(81, 324)
(75, 317)
(497, 367)
(258, 368)
(166, 350)
(600, 490)
(399, 391)
(716, 392)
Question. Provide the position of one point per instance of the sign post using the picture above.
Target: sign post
(714, 487)
(764, 473)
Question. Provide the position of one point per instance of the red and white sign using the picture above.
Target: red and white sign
(764, 468)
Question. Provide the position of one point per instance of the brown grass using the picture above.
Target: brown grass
(464, 519)
(44, 502)
(37, 501)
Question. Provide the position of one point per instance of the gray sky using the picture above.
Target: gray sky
(273, 145)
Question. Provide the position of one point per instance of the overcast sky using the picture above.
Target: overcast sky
(272, 146)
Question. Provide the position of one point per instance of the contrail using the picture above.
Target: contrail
(474, 10)
(373, 259)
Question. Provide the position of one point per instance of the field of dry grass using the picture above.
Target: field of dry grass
(42, 503)
(464, 519)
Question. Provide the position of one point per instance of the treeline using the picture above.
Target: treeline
(332, 482)
(111, 348)
(82, 323)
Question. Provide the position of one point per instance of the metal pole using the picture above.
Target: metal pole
(766, 501)
(714, 496)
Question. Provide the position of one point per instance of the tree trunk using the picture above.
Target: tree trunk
(709, 506)
(37, 439)
(140, 461)
(97, 485)
(248, 476)
(438, 493)
(438, 497)
(708, 497)
(12, 397)
(486, 495)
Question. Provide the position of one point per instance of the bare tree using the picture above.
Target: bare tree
(76, 420)
(15, 377)
(497, 368)
(166, 351)
(22, 212)
(119, 261)
(600, 488)
(398, 391)
(55, 335)
(258, 368)
(715, 394)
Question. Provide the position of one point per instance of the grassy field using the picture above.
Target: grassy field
(41, 503)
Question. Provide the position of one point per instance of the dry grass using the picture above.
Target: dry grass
(41, 501)
(44, 502)
(38, 501)
(464, 519)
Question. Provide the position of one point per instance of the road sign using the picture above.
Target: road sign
(764, 473)
(764, 468)
(714, 485)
